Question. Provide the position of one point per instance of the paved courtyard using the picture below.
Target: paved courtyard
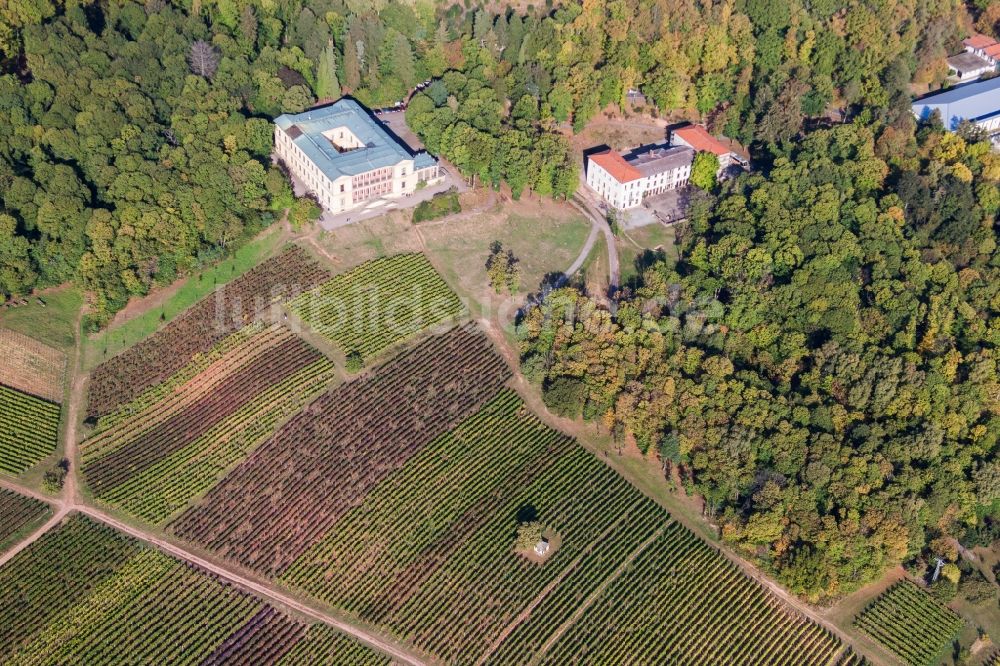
(378, 207)
(668, 207)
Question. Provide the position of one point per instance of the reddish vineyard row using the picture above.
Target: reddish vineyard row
(122, 378)
(271, 638)
(276, 363)
(264, 639)
(17, 513)
(324, 461)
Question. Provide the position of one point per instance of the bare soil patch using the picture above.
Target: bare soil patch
(30, 366)
(554, 541)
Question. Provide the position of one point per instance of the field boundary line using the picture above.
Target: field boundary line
(792, 603)
(261, 590)
(598, 591)
(550, 586)
(30, 492)
(34, 536)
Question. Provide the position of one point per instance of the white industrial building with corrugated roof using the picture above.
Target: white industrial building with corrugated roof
(977, 103)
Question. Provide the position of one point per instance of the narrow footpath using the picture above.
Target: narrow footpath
(585, 203)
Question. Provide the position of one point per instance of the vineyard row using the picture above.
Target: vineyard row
(122, 378)
(323, 461)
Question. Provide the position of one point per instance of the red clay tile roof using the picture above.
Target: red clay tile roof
(992, 51)
(616, 165)
(977, 41)
(696, 137)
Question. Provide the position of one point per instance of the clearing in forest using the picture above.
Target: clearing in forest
(911, 623)
(87, 594)
(123, 378)
(379, 303)
(30, 366)
(172, 442)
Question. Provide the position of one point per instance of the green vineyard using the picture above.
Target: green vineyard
(680, 601)
(84, 594)
(18, 514)
(323, 646)
(396, 497)
(29, 430)
(379, 303)
(429, 554)
(910, 623)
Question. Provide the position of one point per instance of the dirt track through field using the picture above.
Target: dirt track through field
(265, 591)
(70, 500)
(530, 397)
(34, 536)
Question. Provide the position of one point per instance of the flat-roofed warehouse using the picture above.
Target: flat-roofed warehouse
(346, 158)
(977, 103)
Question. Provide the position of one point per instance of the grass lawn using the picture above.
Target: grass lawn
(634, 243)
(595, 273)
(545, 237)
(354, 244)
(52, 323)
(147, 315)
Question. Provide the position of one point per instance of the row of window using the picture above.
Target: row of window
(372, 177)
(364, 187)
(366, 193)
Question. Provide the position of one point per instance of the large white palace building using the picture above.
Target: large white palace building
(346, 158)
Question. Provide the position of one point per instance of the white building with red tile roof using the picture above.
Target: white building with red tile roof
(981, 56)
(976, 42)
(698, 139)
(625, 180)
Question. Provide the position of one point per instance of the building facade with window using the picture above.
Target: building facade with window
(980, 57)
(625, 180)
(346, 158)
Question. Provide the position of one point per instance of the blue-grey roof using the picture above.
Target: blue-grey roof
(973, 101)
(381, 149)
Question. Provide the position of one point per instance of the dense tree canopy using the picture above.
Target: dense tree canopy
(822, 359)
(134, 136)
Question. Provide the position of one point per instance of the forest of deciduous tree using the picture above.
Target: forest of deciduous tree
(821, 361)
(134, 136)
